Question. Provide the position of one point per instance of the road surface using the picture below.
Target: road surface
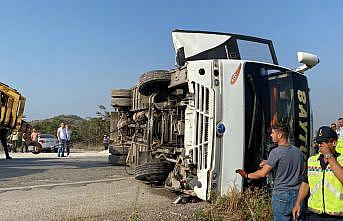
(81, 187)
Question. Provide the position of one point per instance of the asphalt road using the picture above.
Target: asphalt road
(81, 187)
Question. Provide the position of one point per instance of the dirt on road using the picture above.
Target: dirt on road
(81, 187)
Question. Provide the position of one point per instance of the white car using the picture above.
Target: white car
(49, 142)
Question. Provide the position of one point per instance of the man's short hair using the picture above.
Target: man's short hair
(282, 127)
(341, 118)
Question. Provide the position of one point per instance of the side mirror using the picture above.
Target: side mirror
(309, 61)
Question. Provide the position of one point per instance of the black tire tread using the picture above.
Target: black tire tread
(153, 171)
(151, 80)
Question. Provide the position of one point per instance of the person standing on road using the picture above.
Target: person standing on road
(324, 181)
(30, 137)
(286, 161)
(68, 141)
(15, 140)
(24, 147)
(62, 138)
(34, 142)
(106, 141)
(3, 139)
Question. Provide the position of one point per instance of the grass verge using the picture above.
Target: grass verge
(252, 204)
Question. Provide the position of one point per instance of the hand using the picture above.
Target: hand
(296, 211)
(263, 162)
(242, 173)
(324, 150)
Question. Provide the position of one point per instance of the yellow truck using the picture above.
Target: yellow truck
(12, 106)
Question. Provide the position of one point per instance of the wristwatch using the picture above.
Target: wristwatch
(329, 155)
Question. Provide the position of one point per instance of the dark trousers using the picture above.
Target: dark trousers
(321, 217)
(24, 147)
(106, 146)
(4, 143)
(68, 145)
(15, 145)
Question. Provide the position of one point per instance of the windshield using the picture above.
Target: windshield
(272, 95)
(254, 51)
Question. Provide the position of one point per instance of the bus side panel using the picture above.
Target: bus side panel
(233, 119)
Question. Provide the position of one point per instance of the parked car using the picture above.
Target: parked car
(49, 142)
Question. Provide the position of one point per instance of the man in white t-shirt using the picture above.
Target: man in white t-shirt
(62, 138)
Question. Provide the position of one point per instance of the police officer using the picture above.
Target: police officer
(324, 180)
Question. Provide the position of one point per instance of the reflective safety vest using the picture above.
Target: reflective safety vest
(325, 188)
(339, 146)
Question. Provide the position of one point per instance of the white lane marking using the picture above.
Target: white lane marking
(62, 184)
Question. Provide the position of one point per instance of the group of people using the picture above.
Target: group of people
(24, 140)
(19, 140)
(320, 182)
(64, 139)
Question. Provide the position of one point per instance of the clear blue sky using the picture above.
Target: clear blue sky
(65, 56)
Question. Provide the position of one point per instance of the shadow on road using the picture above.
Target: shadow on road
(26, 166)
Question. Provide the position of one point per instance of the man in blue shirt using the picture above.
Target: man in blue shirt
(286, 161)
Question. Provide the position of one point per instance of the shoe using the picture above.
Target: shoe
(9, 158)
